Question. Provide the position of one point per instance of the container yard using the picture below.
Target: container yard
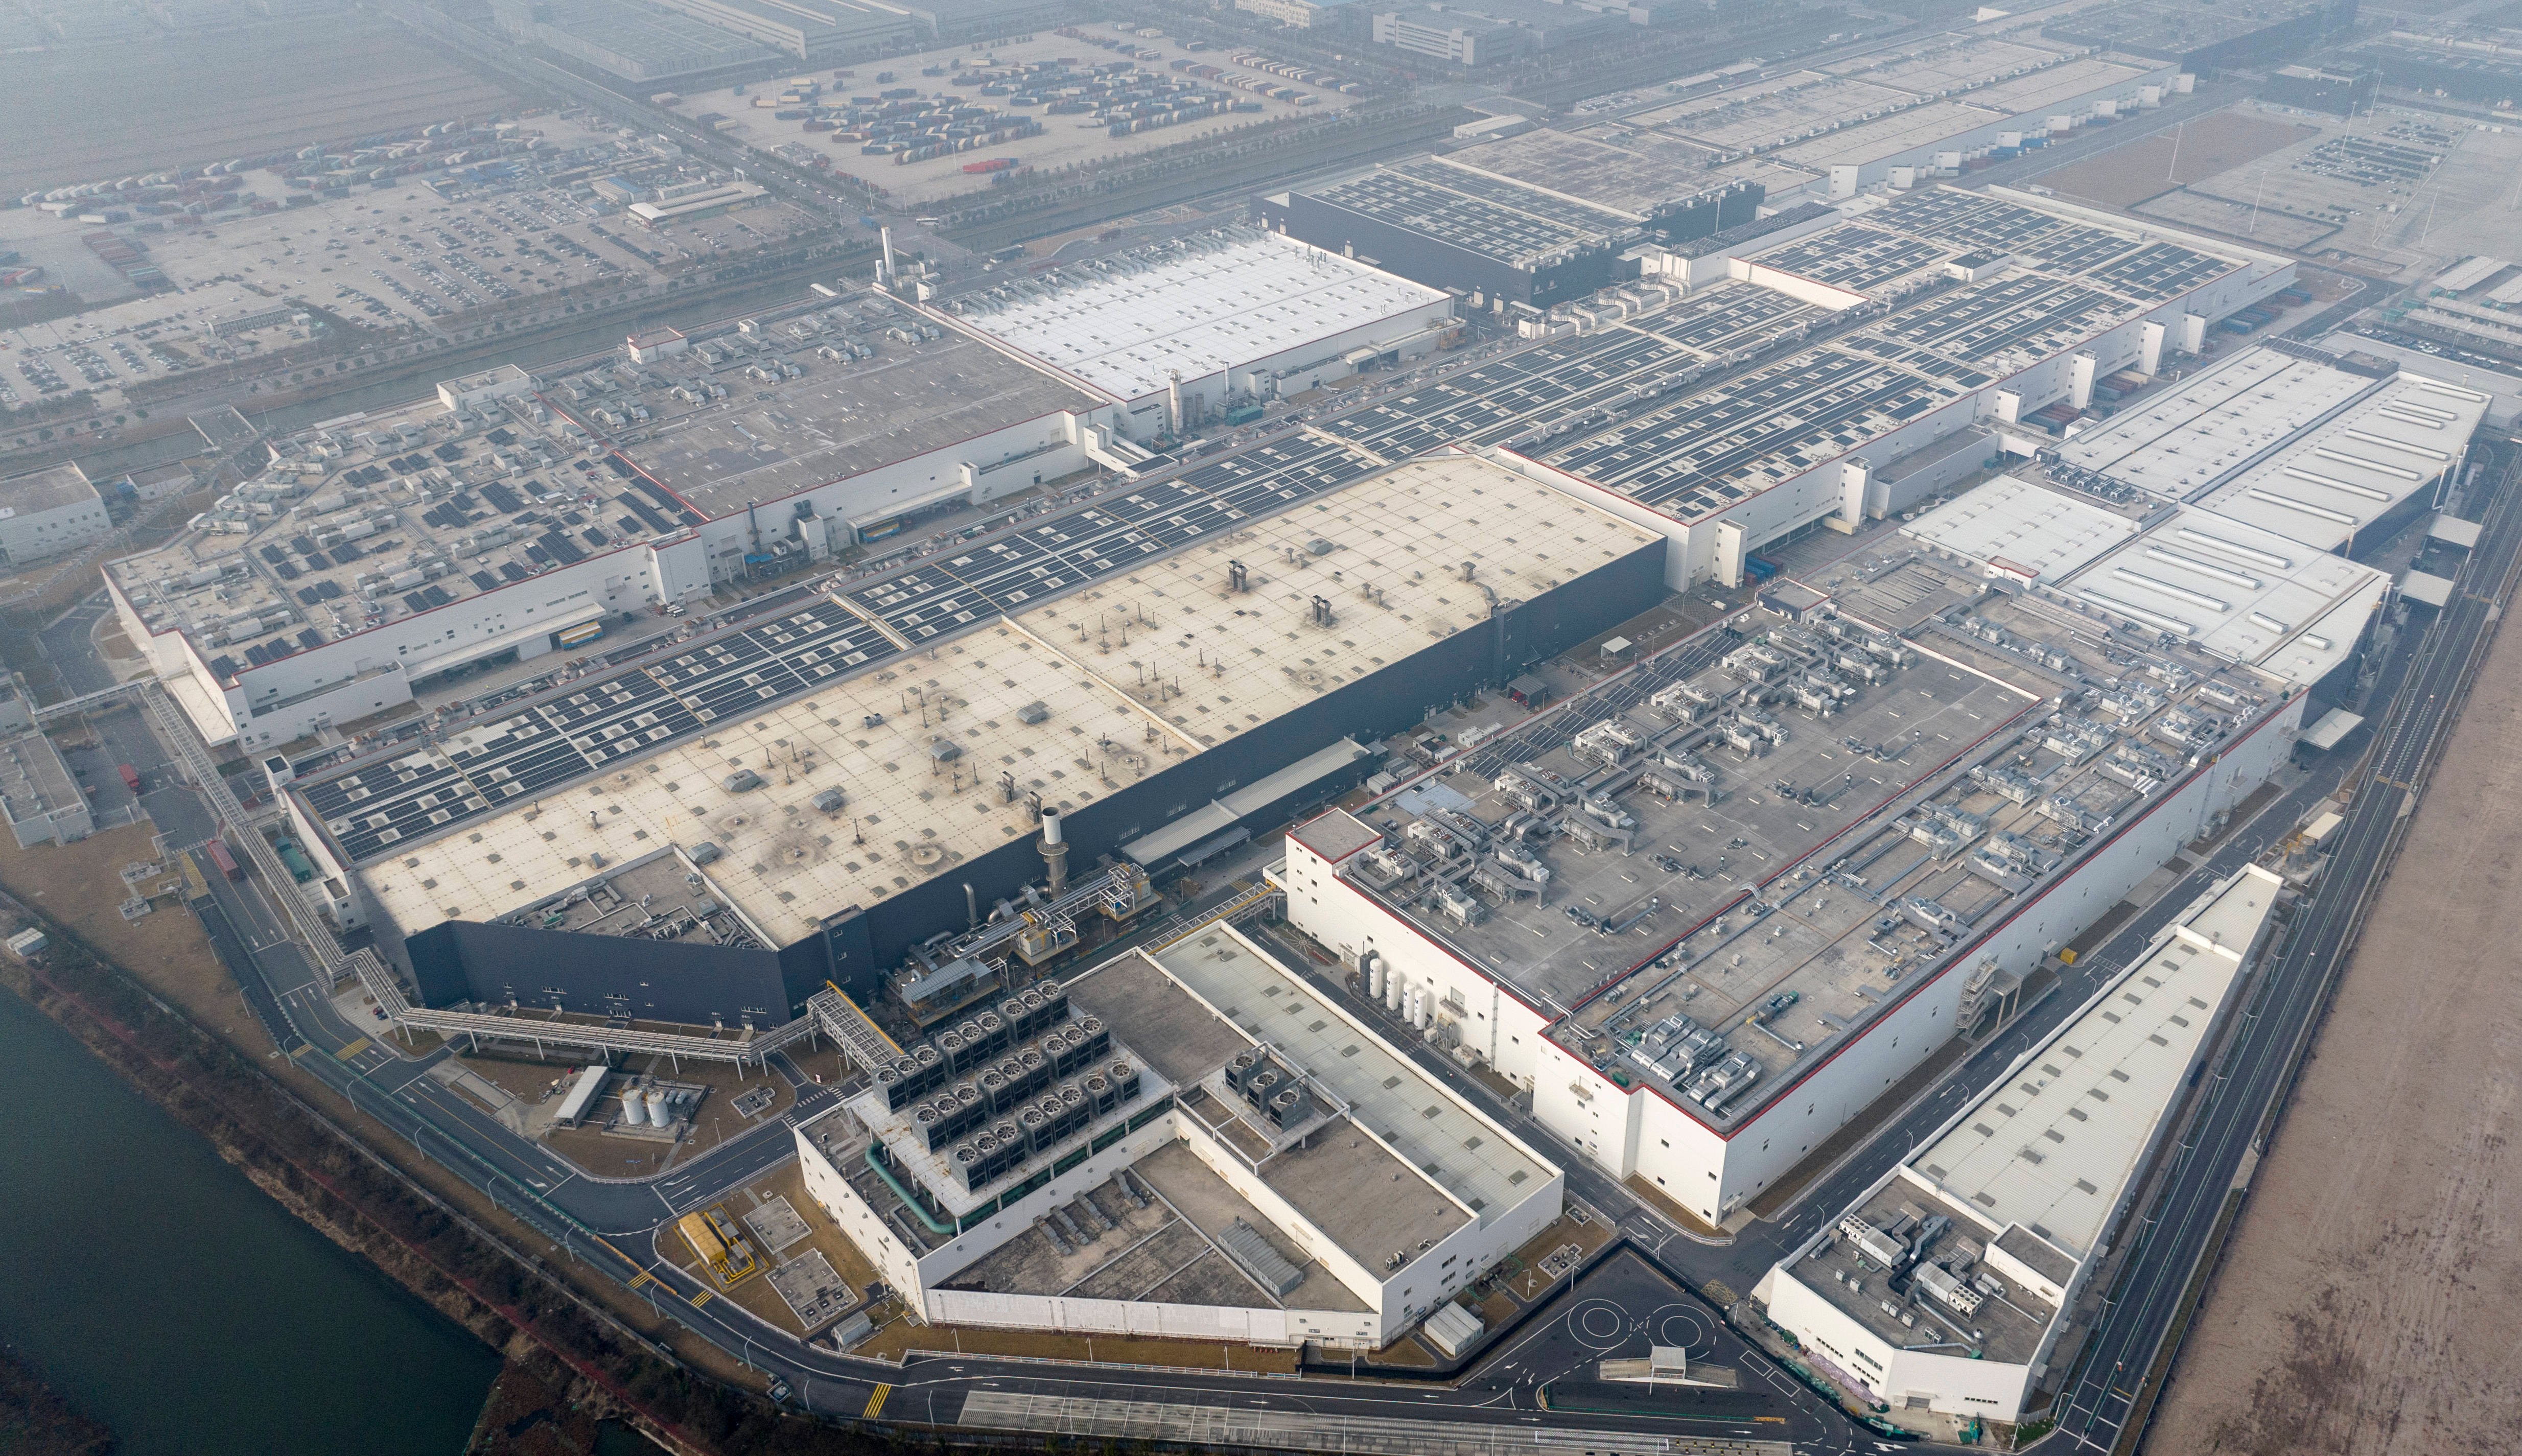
(1085, 96)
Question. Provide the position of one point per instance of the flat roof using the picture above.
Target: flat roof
(771, 440)
(1169, 1251)
(379, 517)
(1937, 790)
(2036, 1169)
(2180, 441)
(2240, 592)
(1625, 179)
(2237, 591)
(33, 778)
(1386, 553)
(496, 817)
(2027, 528)
(911, 816)
(1483, 212)
(1428, 1127)
(2053, 1147)
(1695, 453)
(2358, 465)
(1203, 305)
(49, 489)
(367, 520)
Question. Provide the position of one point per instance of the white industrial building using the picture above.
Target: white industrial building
(1950, 1283)
(1978, 308)
(1917, 107)
(1171, 334)
(2334, 451)
(48, 513)
(511, 516)
(1238, 1160)
(1871, 822)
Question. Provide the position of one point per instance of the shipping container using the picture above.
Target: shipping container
(130, 776)
(225, 860)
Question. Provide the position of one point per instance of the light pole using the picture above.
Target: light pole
(2169, 173)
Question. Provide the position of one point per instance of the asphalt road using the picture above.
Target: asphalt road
(2259, 1068)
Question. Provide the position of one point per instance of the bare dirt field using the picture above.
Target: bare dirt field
(2213, 144)
(79, 885)
(2371, 1299)
(100, 113)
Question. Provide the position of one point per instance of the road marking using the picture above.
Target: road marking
(875, 1401)
(350, 1050)
(701, 1298)
(645, 1278)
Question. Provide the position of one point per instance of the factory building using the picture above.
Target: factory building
(831, 30)
(1946, 310)
(878, 779)
(512, 516)
(2338, 453)
(1949, 1284)
(627, 38)
(1306, 14)
(2199, 39)
(48, 513)
(1492, 222)
(1175, 335)
(1870, 816)
(1161, 1147)
(1914, 110)
(39, 795)
(1864, 832)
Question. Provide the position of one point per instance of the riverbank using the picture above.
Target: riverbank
(469, 1264)
(35, 1421)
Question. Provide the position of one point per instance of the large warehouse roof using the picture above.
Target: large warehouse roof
(775, 439)
(2187, 440)
(1074, 700)
(2086, 1102)
(1386, 554)
(2358, 466)
(1214, 305)
(1697, 454)
(2240, 592)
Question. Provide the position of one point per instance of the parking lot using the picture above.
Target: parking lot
(1065, 144)
(405, 258)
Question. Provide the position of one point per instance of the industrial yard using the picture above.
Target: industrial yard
(913, 690)
(1062, 143)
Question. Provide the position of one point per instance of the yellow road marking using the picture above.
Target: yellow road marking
(350, 1050)
(701, 1298)
(645, 1278)
(876, 1402)
(303, 1049)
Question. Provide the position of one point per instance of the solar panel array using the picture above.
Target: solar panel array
(590, 725)
(1018, 571)
(570, 734)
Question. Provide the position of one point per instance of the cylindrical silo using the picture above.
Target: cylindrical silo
(635, 1109)
(1373, 976)
(657, 1111)
(1391, 991)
